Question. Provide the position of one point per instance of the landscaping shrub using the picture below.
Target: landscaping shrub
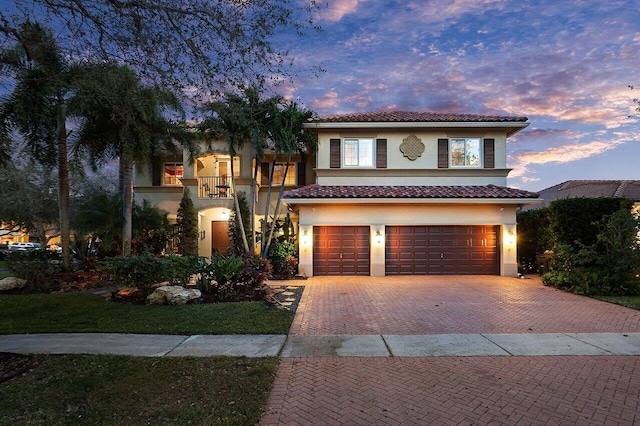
(187, 226)
(608, 266)
(284, 264)
(232, 278)
(574, 221)
(145, 270)
(37, 267)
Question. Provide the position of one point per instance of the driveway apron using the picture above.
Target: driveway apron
(492, 389)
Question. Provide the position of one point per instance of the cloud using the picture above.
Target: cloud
(337, 9)
(327, 101)
(522, 161)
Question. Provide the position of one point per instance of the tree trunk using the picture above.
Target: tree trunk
(63, 185)
(278, 202)
(267, 205)
(126, 169)
(238, 212)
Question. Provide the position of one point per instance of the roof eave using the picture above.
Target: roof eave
(502, 201)
(512, 126)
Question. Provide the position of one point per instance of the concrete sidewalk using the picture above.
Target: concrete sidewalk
(309, 346)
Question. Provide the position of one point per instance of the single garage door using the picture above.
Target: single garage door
(341, 250)
(442, 250)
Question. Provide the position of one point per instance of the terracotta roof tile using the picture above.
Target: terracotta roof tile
(415, 116)
(489, 191)
(592, 188)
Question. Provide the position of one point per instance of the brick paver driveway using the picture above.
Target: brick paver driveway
(516, 390)
(447, 305)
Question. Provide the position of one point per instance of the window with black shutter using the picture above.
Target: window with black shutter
(381, 153)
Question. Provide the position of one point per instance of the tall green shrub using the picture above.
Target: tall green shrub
(574, 221)
(596, 247)
(534, 237)
(187, 225)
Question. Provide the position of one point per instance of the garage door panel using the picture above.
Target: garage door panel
(441, 250)
(341, 250)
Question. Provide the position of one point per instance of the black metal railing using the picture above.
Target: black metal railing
(214, 187)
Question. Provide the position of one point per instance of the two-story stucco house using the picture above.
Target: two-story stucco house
(387, 193)
(410, 193)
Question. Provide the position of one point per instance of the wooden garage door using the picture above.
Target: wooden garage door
(442, 250)
(341, 250)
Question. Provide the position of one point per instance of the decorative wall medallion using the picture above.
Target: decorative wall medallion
(412, 147)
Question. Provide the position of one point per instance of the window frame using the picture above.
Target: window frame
(371, 158)
(466, 139)
(175, 177)
(292, 174)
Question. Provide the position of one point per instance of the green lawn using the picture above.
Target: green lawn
(5, 274)
(120, 390)
(628, 301)
(79, 313)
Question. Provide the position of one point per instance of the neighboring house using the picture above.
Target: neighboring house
(591, 189)
(388, 193)
(410, 193)
(10, 235)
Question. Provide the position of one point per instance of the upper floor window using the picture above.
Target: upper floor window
(358, 152)
(465, 152)
(278, 172)
(173, 172)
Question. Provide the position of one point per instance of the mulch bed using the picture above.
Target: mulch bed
(13, 365)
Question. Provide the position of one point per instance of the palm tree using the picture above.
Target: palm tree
(263, 123)
(123, 119)
(239, 119)
(288, 136)
(37, 107)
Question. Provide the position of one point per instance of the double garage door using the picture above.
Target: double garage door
(410, 250)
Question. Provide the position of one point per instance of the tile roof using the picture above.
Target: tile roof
(592, 188)
(415, 116)
(488, 191)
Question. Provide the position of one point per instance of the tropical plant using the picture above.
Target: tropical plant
(123, 119)
(37, 107)
(98, 218)
(240, 119)
(288, 136)
(270, 123)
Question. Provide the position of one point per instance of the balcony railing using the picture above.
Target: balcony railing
(214, 187)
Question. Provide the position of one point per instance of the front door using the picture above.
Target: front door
(219, 236)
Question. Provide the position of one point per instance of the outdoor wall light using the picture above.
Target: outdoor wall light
(202, 234)
(378, 237)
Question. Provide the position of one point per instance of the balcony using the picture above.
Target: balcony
(214, 187)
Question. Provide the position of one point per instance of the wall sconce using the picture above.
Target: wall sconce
(511, 237)
(378, 237)
(202, 234)
(305, 237)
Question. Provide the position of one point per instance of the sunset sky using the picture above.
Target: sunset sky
(566, 65)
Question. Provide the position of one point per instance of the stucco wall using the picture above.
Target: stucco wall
(428, 159)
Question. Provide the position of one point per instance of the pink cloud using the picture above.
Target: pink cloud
(338, 8)
(521, 161)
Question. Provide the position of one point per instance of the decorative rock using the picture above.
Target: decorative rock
(11, 283)
(172, 295)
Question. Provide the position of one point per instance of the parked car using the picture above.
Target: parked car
(24, 246)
